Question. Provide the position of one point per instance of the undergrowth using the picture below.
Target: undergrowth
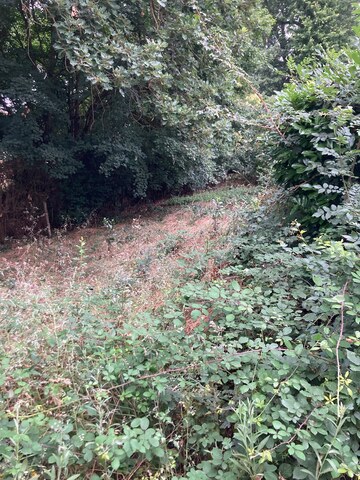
(250, 370)
(224, 194)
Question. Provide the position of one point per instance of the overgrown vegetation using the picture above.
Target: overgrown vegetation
(212, 335)
(318, 155)
(301, 29)
(113, 115)
(104, 104)
(249, 370)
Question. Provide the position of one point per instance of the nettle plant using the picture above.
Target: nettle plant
(317, 158)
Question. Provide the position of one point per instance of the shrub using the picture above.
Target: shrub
(317, 158)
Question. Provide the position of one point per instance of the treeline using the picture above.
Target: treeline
(102, 102)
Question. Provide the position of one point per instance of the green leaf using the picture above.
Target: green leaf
(159, 452)
(217, 456)
(277, 425)
(88, 455)
(136, 423)
(353, 358)
(154, 441)
(144, 423)
(195, 314)
(214, 293)
(300, 454)
(318, 280)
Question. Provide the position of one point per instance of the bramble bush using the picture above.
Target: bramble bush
(254, 374)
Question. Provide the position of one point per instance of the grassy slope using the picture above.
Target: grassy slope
(121, 271)
(163, 346)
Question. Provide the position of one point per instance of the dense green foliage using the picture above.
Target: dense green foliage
(250, 368)
(301, 29)
(318, 156)
(252, 374)
(101, 103)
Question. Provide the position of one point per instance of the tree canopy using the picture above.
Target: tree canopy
(303, 27)
(105, 101)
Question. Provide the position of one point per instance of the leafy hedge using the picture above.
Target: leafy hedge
(318, 156)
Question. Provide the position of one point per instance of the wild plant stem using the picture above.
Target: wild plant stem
(342, 309)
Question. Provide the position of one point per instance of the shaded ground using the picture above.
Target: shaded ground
(136, 262)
